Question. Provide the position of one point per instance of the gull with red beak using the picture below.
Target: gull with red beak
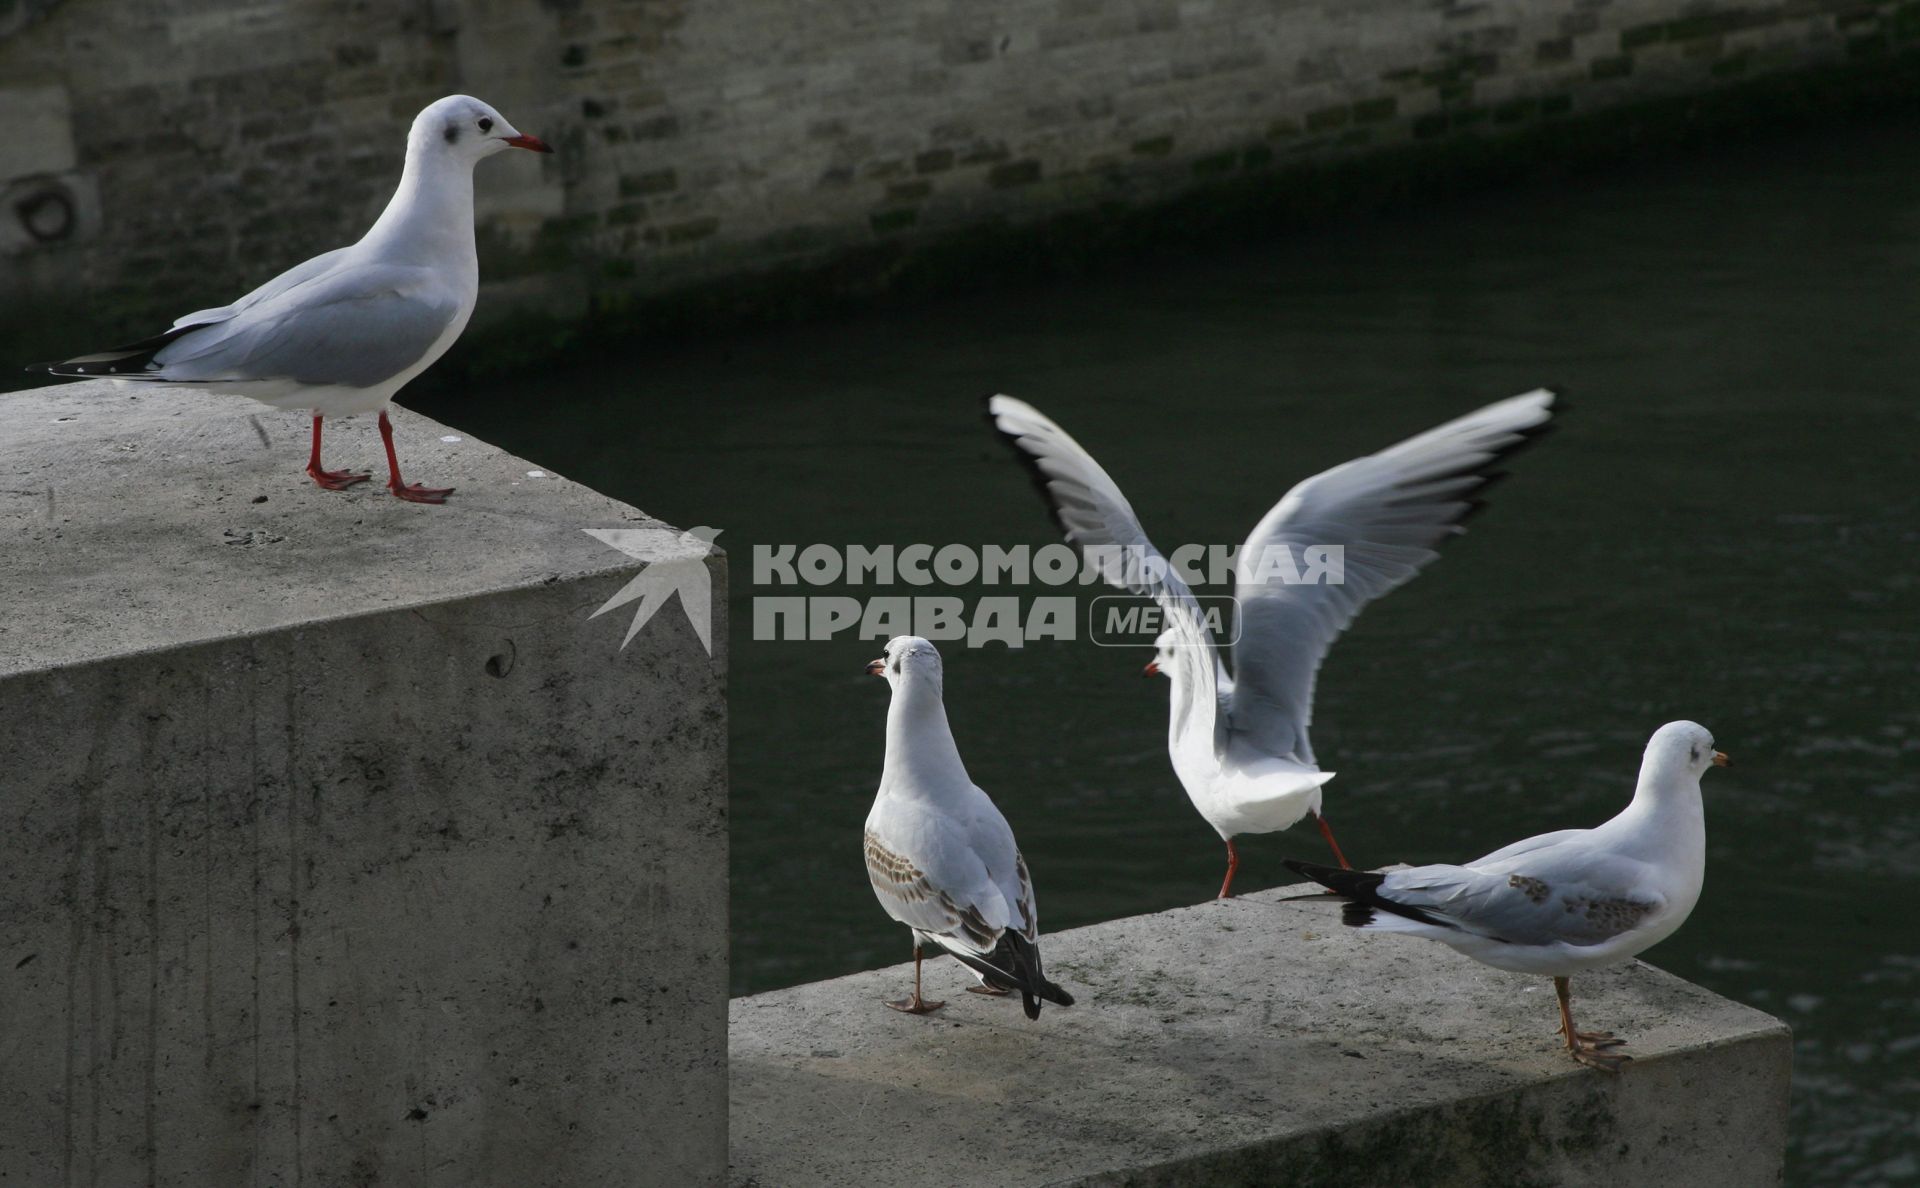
(1238, 740)
(341, 333)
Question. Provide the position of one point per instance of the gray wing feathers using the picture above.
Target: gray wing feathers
(1537, 898)
(1095, 516)
(356, 327)
(910, 897)
(1001, 863)
(1528, 846)
(1388, 513)
(1092, 512)
(961, 883)
(298, 274)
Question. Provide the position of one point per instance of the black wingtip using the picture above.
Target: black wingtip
(1015, 965)
(1031, 998)
(1490, 474)
(1355, 884)
(1030, 463)
(1362, 889)
(132, 361)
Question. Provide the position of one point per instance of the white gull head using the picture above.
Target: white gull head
(463, 129)
(1681, 750)
(1162, 663)
(908, 658)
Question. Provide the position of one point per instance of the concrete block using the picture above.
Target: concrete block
(1254, 1042)
(337, 844)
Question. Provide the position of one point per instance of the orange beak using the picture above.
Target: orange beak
(877, 667)
(530, 143)
(1720, 759)
(1152, 668)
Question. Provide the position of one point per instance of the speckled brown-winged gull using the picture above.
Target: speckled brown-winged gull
(941, 857)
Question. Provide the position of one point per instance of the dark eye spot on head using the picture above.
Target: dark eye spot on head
(896, 666)
(1694, 752)
(452, 133)
(486, 124)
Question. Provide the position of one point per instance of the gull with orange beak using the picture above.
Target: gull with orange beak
(1238, 740)
(1562, 902)
(343, 332)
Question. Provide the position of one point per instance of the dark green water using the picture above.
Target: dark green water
(1725, 529)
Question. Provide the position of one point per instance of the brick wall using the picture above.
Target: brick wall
(207, 143)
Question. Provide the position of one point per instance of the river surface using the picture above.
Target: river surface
(1726, 527)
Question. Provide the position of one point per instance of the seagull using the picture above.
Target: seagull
(941, 858)
(1566, 901)
(1239, 741)
(341, 333)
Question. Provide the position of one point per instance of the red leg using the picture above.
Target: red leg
(1326, 831)
(332, 480)
(1591, 1048)
(916, 1005)
(411, 492)
(1233, 864)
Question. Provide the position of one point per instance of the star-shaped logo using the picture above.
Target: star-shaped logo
(676, 564)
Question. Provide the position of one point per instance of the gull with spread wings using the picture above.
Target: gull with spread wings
(1239, 740)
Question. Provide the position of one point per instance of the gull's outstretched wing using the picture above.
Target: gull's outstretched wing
(1387, 513)
(1094, 516)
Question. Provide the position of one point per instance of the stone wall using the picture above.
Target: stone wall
(180, 150)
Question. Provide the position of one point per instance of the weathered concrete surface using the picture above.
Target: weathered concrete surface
(1254, 1042)
(337, 844)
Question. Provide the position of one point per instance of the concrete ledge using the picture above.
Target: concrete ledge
(1254, 1042)
(140, 519)
(337, 844)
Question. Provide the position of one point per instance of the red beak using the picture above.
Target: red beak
(1152, 668)
(533, 143)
